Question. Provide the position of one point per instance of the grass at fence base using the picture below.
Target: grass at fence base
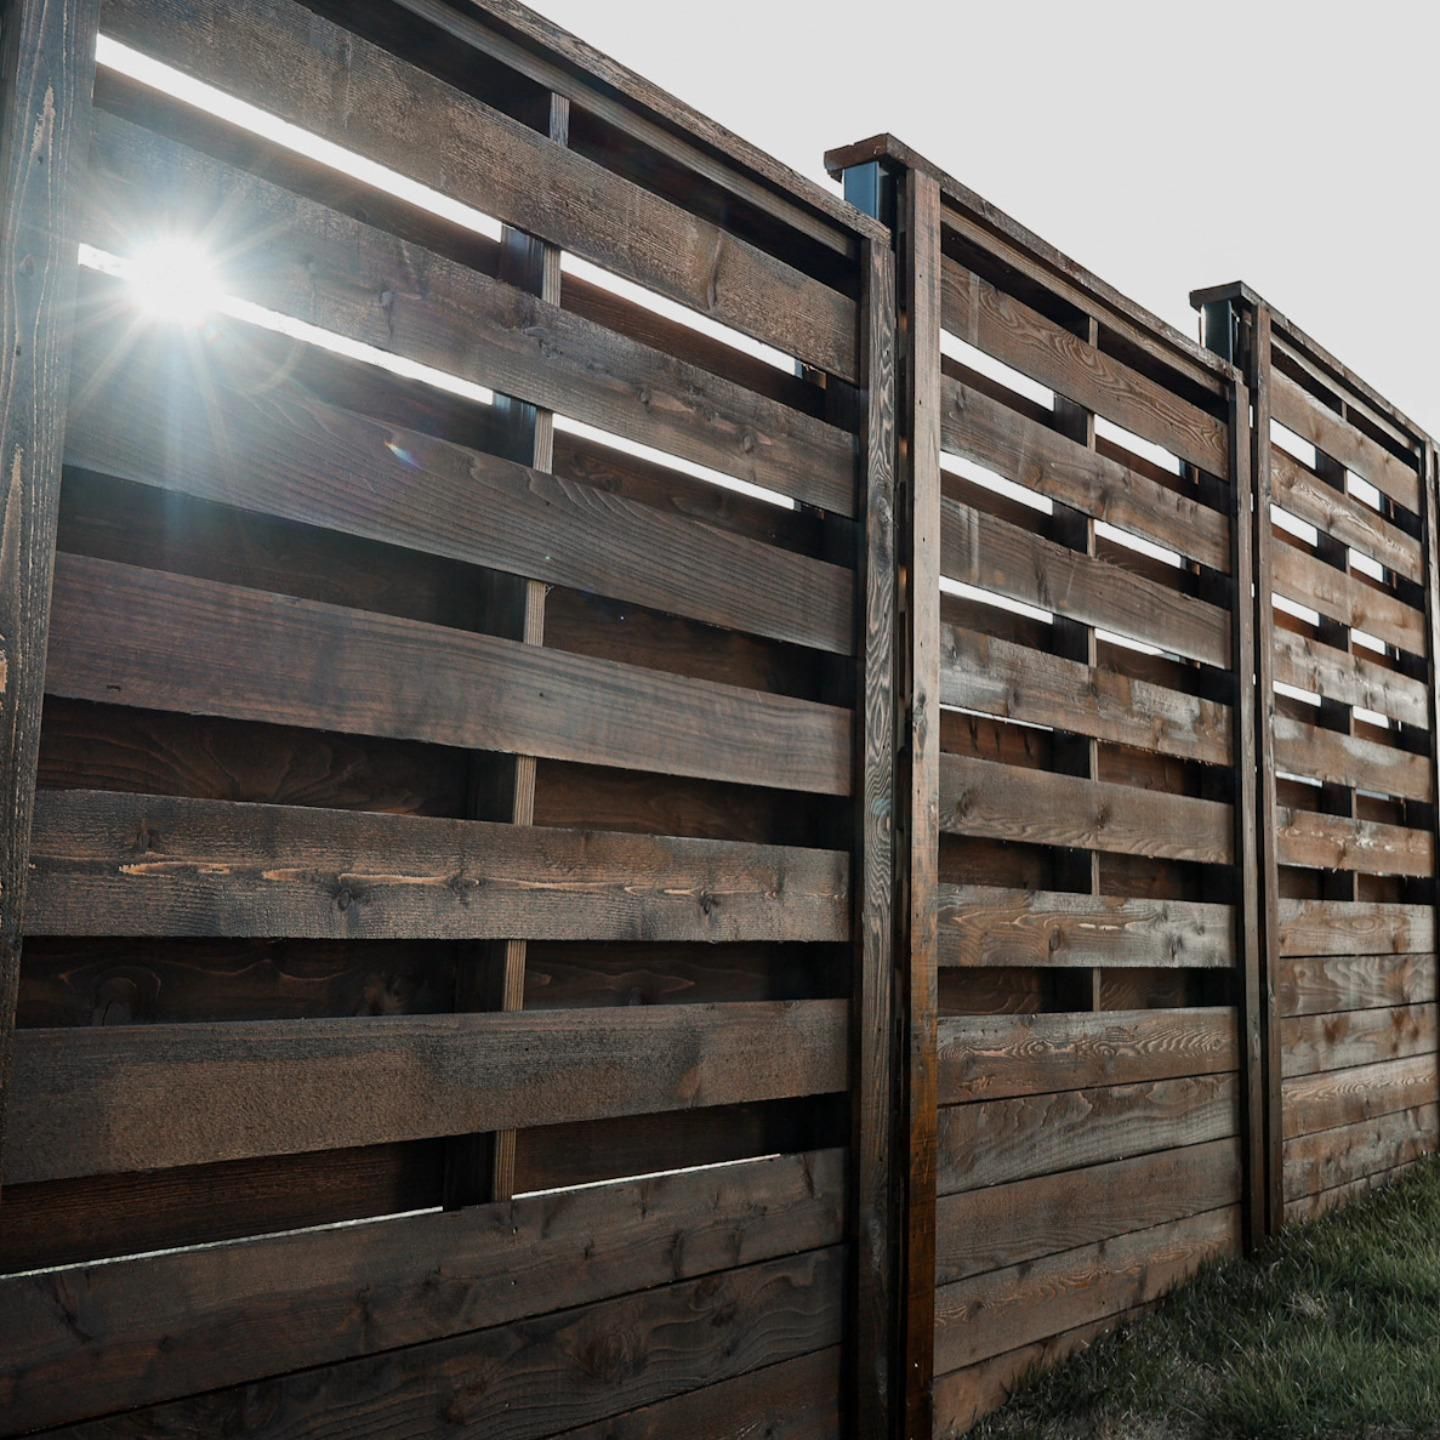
(1334, 1331)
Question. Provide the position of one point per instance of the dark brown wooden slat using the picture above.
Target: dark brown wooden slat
(303, 259)
(164, 1326)
(994, 1142)
(153, 865)
(976, 312)
(1332, 1098)
(1351, 599)
(981, 1230)
(1351, 679)
(991, 434)
(1311, 1043)
(990, 1057)
(1312, 986)
(1027, 1302)
(999, 677)
(986, 925)
(981, 550)
(1341, 759)
(1335, 842)
(1351, 1153)
(282, 452)
(537, 1377)
(168, 642)
(1007, 802)
(147, 1097)
(1312, 1207)
(1326, 431)
(1347, 927)
(1303, 493)
(336, 85)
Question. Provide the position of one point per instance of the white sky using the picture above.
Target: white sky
(1165, 146)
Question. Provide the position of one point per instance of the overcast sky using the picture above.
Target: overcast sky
(1164, 146)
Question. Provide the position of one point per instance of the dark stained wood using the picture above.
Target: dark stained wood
(152, 865)
(1353, 1153)
(1340, 759)
(1331, 1098)
(1006, 802)
(1352, 679)
(994, 1142)
(986, 925)
(239, 1312)
(1310, 1043)
(1351, 600)
(1320, 985)
(992, 1057)
(1335, 842)
(47, 72)
(998, 677)
(147, 1097)
(137, 637)
(1338, 927)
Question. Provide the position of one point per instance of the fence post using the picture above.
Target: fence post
(47, 74)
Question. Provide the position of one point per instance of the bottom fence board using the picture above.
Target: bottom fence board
(1328, 1159)
(1312, 1207)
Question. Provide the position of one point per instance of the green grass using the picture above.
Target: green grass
(1333, 1331)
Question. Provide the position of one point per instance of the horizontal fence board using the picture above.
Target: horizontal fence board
(283, 452)
(1310, 1043)
(1340, 759)
(1343, 517)
(989, 1057)
(331, 82)
(1351, 679)
(988, 925)
(1327, 432)
(128, 636)
(1345, 1097)
(993, 1313)
(543, 1376)
(1016, 682)
(1310, 840)
(994, 1142)
(992, 554)
(1351, 599)
(974, 311)
(990, 434)
(112, 1098)
(1010, 802)
(1332, 1158)
(1313, 985)
(1353, 927)
(302, 259)
(982, 1230)
(182, 1322)
(1312, 1207)
(148, 865)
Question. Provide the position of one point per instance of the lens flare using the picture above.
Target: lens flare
(174, 280)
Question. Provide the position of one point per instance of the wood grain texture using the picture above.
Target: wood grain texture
(1348, 760)
(1309, 664)
(990, 1057)
(1008, 802)
(1350, 599)
(1309, 839)
(1016, 682)
(47, 71)
(137, 637)
(239, 1312)
(1322, 984)
(1341, 927)
(988, 925)
(149, 865)
(996, 1142)
(133, 1098)
(992, 554)
(982, 1230)
(1352, 1153)
(1310, 1043)
(1332, 1098)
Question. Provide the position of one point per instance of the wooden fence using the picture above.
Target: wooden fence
(639, 801)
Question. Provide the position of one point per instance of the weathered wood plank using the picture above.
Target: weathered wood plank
(983, 316)
(1312, 1207)
(982, 1230)
(1341, 759)
(994, 1142)
(336, 85)
(990, 1057)
(146, 1097)
(988, 925)
(175, 1324)
(1351, 679)
(1319, 985)
(149, 865)
(993, 1313)
(1311, 840)
(1352, 600)
(1008, 802)
(1352, 1153)
(981, 550)
(1331, 1098)
(1016, 682)
(1349, 927)
(168, 642)
(983, 430)
(1311, 1043)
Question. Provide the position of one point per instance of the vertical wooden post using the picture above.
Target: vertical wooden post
(47, 77)
(1430, 531)
(491, 976)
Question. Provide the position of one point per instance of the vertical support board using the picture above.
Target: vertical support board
(47, 70)
(1430, 531)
